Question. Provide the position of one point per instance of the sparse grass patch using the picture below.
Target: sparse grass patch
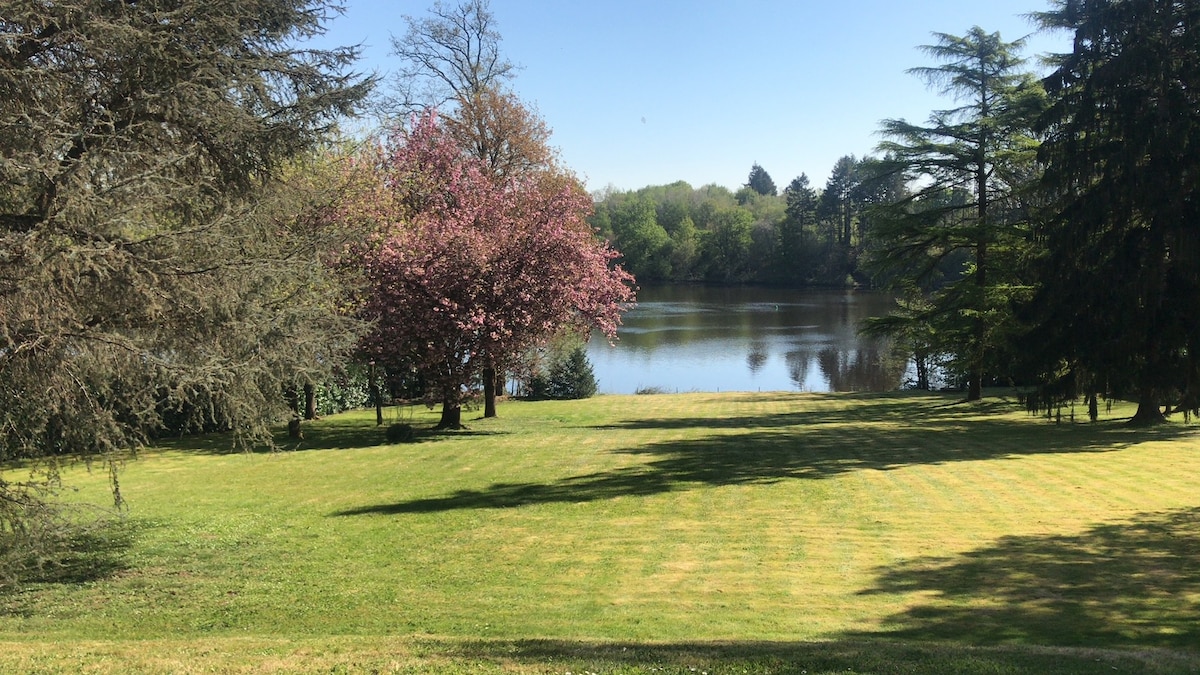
(734, 532)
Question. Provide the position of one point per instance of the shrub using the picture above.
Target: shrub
(572, 377)
(345, 390)
(537, 388)
(399, 433)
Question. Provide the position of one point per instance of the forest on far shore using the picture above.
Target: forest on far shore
(798, 236)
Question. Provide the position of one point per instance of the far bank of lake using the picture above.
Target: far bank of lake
(703, 338)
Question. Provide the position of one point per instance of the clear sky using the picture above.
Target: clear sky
(649, 92)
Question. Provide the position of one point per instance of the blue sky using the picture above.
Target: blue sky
(648, 92)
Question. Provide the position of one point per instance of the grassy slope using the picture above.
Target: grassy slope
(758, 532)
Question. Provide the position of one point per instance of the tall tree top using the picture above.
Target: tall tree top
(497, 128)
(975, 68)
(760, 181)
(450, 56)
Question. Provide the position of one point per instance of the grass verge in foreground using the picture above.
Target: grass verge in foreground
(733, 532)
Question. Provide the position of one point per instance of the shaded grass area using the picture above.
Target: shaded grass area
(879, 432)
(735, 533)
(451, 657)
(58, 549)
(1128, 583)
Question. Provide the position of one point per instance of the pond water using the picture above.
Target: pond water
(700, 338)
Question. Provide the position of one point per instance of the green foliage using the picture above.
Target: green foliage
(796, 231)
(837, 207)
(760, 181)
(571, 377)
(643, 243)
(559, 371)
(1118, 312)
(726, 246)
(344, 390)
(971, 168)
(677, 233)
(161, 242)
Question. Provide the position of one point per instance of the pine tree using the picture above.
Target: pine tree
(572, 377)
(760, 181)
(1119, 307)
(160, 246)
(969, 165)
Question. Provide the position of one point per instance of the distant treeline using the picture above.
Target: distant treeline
(803, 236)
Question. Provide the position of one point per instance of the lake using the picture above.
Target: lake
(701, 338)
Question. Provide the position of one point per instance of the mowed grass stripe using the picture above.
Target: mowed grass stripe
(678, 517)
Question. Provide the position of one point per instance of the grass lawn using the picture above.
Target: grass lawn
(734, 532)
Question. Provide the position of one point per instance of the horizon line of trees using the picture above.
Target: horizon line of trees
(755, 234)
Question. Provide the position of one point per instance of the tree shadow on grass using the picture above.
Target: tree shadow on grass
(317, 435)
(880, 434)
(61, 553)
(324, 434)
(350, 434)
(1133, 583)
(832, 656)
(919, 409)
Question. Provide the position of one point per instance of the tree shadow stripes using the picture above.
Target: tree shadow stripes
(804, 445)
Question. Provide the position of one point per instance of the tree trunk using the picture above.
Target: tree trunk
(921, 359)
(451, 416)
(293, 399)
(1149, 412)
(975, 378)
(1093, 407)
(376, 395)
(489, 391)
(310, 402)
(975, 385)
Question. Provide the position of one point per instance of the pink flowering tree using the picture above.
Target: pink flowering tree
(464, 270)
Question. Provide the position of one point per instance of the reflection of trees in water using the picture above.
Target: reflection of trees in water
(797, 366)
(870, 368)
(756, 358)
(754, 326)
(864, 369)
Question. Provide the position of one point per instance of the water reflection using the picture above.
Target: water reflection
(756, 358)
(692, 338)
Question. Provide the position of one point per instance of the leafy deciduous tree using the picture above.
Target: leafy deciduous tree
(468, 267)
(727, 245)
(643, 243)
(451, 56)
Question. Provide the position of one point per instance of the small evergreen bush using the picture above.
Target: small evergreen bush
(537, 388)
(572, 377)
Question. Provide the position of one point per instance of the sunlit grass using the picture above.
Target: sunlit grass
(879, 533)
